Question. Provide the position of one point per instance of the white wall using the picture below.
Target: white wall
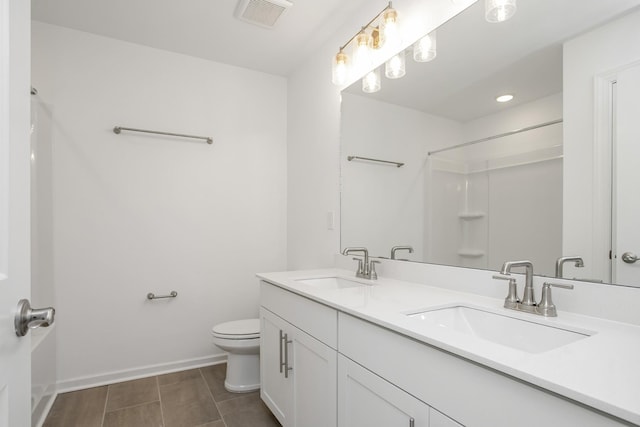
(313, 138)
(138, 213)
(586, 57)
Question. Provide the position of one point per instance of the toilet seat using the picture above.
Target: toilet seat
(238, 329)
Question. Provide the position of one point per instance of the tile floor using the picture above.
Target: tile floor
(193, 398)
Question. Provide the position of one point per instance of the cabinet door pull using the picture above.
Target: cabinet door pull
(286, 356)
(282, 338)
(412, 422)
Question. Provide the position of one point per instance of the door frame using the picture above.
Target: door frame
(603, 151)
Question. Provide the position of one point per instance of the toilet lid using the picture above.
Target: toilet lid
(246, 328)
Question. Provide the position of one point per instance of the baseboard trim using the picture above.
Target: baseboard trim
(38, 420)
(136, 373)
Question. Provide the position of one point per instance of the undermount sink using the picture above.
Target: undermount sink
(512, 332)
(331, 283)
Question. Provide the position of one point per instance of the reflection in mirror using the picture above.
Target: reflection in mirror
(470, 192)
(497, 199)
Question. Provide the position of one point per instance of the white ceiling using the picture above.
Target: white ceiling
(521, 56)
(205, 28)
(477, 61)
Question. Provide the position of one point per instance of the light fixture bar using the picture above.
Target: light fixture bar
(389, 6)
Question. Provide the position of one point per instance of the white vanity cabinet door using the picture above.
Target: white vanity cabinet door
(303, 392)
(314, 380)
(366, 400)
(275, 389)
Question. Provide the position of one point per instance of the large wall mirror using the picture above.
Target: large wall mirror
(434, 166)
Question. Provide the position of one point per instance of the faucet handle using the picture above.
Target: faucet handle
(373, 275)
(546, 307)
(556, 285)
(511, 300)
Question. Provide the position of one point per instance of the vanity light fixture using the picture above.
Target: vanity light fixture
(504, 98)
(499, 10)
(381, 32)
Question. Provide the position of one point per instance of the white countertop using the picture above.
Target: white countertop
(601, 371)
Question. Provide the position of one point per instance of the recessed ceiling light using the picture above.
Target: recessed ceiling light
(504, 98)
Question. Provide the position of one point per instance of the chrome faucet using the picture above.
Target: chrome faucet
(366, 268)
(528, 302)
(400, 248)
(579, 262)
(546, 307)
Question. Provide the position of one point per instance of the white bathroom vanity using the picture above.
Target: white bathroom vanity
(348, 352)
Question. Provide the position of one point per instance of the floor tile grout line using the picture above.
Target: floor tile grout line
(104, 409)
(212, 398)
(134, 406)
(160, 400)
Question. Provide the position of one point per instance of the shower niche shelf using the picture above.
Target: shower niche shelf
(469, 215)
(470, 253)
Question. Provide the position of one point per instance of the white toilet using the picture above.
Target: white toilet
(241, 339)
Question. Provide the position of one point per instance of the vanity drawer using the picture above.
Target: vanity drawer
(319, 321)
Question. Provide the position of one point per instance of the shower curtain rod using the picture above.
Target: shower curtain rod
(119, 129)
(489, 138)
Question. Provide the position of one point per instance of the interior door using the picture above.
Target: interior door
(626, 203)
(15, 352)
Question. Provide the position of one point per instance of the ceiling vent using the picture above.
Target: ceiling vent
(264, 13)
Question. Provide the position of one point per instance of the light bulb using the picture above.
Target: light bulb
(499, 10)
(362, 52)
(394, 68)
(340, 69)
(424, 50)
(390, 30)
(371, 81)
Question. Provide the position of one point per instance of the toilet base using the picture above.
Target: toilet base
(243, 373)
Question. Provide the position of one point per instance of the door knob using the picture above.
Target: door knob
(629, 257)
(31, 318)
